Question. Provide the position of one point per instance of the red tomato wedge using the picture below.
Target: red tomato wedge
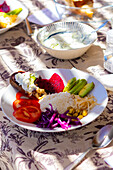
(20, 95)
(26, 109)
(28, 114)
(25, 102)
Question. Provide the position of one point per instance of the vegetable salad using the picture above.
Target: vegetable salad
(59, 108)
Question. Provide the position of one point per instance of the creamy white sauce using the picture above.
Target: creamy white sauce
(64, 41)
(24, 80)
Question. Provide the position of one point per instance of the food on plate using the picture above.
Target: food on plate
(55, 110)
(25, 109)
(51, 119)
(70, 84)
(64, 109)
(27, 114)
(7, 19)
(53, 85)
(34, 85)
(4, 7)
(24, 102)
(64, 100)
(86, 89)
(25, 83)
(80, 87)
(84, 5)
(61, 101)
(59, 105)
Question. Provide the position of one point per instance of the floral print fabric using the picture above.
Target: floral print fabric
(30, 150)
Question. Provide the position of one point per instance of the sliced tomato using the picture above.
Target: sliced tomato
(20, 95)
(28, 114)
(25, 102)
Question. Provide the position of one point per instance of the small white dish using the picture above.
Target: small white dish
(107, 81)
(58, 32)
(14, 4)
(99, 92)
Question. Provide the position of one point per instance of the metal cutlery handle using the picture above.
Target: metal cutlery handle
(77, 161)
(84, 38)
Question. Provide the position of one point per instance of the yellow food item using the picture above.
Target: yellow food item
(82, 106)
(84, 113)
(86, 103)
(7, 21)
(80, 116)
(85, 7)
(86, 10)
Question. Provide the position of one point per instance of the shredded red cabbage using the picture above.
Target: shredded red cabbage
(51, 119)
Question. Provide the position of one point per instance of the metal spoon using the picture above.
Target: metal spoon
(85, 37)
(103, 137)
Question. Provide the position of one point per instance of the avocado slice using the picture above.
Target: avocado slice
(15, 11)
(86, 89)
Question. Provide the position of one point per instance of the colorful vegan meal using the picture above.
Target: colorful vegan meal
(66, 108)
(34, 85)
(7, 17)
(25, 83)
(57, 106)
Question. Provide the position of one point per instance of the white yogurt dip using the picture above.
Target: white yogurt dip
(26, 81)
(64, 41)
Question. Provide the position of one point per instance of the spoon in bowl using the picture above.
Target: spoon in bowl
(102, 138)
(85, 37)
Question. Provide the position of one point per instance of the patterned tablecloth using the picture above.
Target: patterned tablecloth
(23, 149)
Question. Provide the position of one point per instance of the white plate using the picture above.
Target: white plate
(99, 92)
(14, 4)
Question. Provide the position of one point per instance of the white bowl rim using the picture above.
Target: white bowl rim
(41, 29)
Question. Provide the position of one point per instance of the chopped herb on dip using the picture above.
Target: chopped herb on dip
(64, 40)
